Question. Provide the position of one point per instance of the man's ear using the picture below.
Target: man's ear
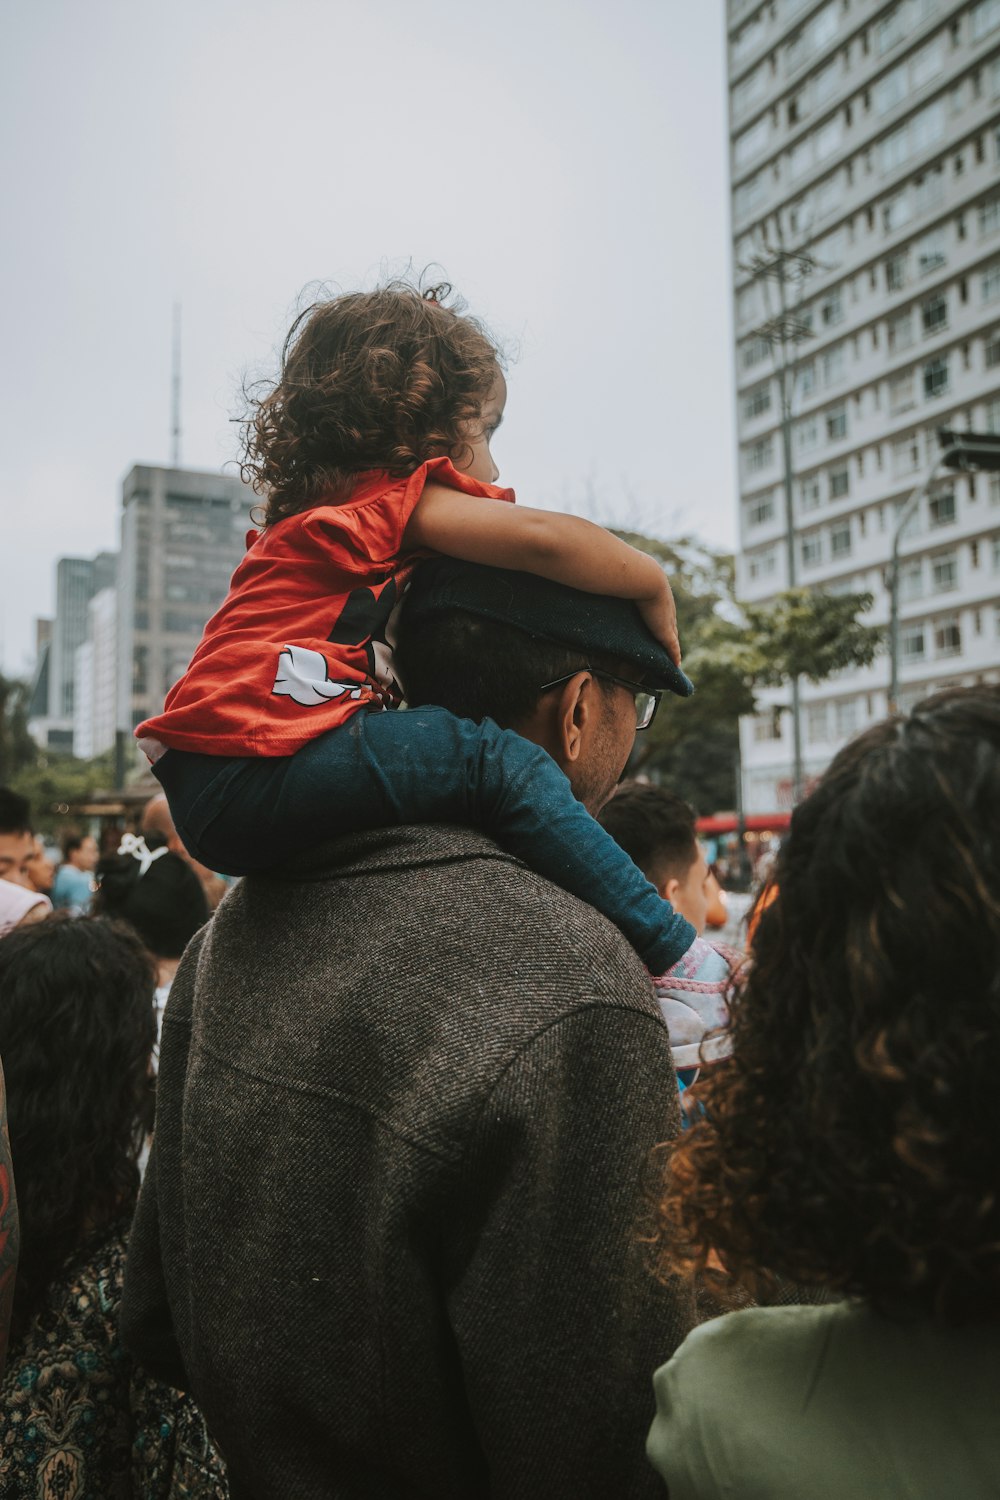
(668, 889)
(576, 706)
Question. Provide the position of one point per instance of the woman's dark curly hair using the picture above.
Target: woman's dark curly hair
(369, 381)
(853, 1140)
(77, 1027)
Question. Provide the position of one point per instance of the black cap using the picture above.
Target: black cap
(545, 610)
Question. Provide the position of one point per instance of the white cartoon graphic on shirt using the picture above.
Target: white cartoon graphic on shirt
(302, 676)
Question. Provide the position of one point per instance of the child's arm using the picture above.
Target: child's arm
(566, 549)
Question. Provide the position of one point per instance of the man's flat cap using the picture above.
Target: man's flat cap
(545, 610)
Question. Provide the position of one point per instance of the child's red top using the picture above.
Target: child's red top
(303, 639)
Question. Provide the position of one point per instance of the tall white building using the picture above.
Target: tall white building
(868, 135)
(95, 695)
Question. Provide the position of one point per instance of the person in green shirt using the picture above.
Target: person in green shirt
(852, 1144)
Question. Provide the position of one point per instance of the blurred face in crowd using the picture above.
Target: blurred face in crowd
(689, 896)
(85, 858)
(16, 850)
(40, 870)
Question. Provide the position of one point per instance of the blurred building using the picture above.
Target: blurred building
(865, 161)
(182, 534)
(96, 689)
(53, 698)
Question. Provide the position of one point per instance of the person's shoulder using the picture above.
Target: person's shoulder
(767, 1349)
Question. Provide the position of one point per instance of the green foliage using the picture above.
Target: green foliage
(17, 748)
(53, 782)
(730, 651)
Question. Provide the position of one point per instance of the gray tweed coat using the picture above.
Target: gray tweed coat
(389, 1232)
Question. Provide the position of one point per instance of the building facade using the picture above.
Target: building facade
(96, 691)
(865, 163)
(53, 702)
(182, 534)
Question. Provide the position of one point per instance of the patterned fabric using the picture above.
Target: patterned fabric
(693, 1001)
(80, 1421)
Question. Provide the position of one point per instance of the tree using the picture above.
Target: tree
(17, 748)
(730, 651)
(53, 782)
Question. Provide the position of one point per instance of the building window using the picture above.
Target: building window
(760, 455)
(901, 396)
(934, 314)
(754, 352)
(991, 282)
(944, 573)
(906, 454)
(941, 508)
(991, 353)
(840, 540)
(836, 423)
(928, 190)
(832, 309)
(931, 254)
(911, 580)
(901, 331)
(912, 645)
(840, 483)
(895, 272)
(985, 18)
(833, 365)
(989, 215)
(757, 400)
(761, 564)
(807, 377)
(947, 638)
(845, 716)
(810, 497)
(760, 510)
(893, 150)
(806, 434)
(752, 142)
(812, 549)
(936, 377)
(816, 723)
(890, 90)
(767, 726)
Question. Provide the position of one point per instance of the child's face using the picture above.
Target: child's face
(477, 460)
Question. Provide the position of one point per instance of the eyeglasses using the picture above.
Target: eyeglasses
(647, 700)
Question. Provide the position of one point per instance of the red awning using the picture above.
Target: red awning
(754, 822)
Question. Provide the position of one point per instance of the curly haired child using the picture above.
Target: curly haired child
(372, 451)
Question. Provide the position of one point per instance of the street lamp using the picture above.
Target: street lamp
(966, 452)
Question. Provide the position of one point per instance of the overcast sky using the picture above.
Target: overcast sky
(563, 161)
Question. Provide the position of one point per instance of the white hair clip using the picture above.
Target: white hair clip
(135, 845)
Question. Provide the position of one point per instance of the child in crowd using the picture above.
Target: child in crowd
(372, 450)
(656, 829)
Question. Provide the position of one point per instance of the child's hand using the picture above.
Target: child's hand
(660, 615)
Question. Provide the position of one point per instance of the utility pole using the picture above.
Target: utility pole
(175, 393)
(784, 331)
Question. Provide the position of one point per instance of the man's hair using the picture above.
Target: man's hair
(377, 380)
(656, 828)
(15, 812)
(483, 669)
(77, 1028)
(70, 842)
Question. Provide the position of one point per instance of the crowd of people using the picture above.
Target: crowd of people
(478, 1168)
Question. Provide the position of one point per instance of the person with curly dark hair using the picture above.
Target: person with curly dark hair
(77, 1416)
(372, 450)
(851, 1143)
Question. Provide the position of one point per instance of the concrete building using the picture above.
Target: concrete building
(78, 579)
(96, 688)
(868, 135)
(182, 534)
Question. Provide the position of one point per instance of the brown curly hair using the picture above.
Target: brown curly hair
(853, 1139)
(369, 381)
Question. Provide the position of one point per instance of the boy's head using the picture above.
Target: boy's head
(377, 380)
(17, 841)
(657, 831)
